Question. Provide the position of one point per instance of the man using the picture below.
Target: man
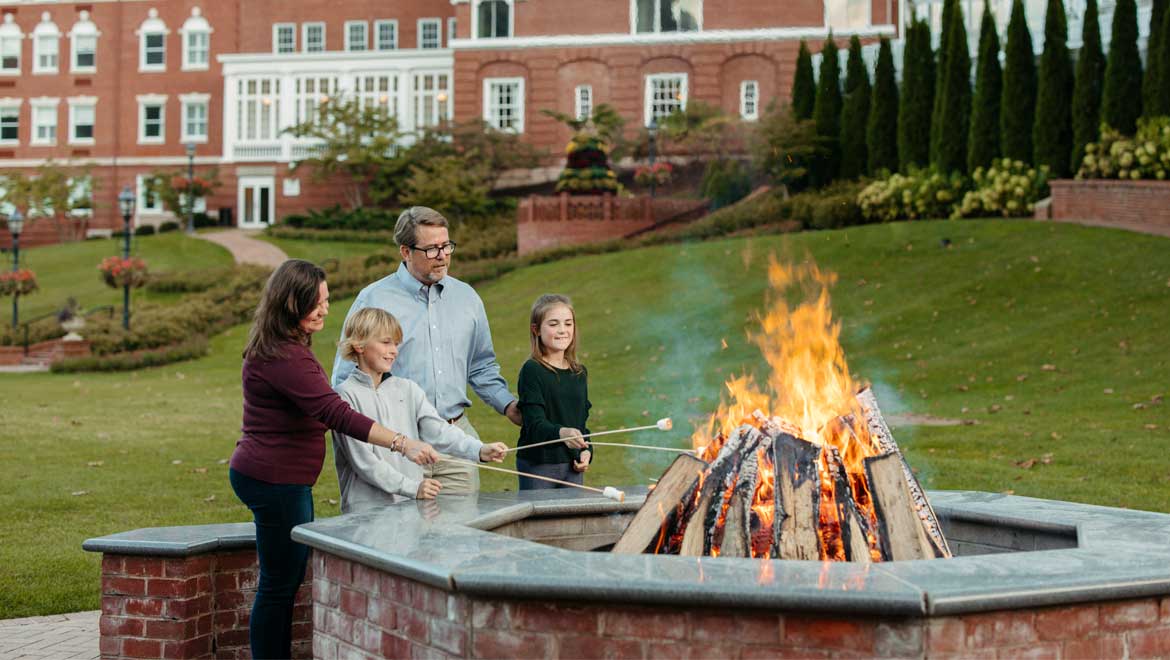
(446, 342)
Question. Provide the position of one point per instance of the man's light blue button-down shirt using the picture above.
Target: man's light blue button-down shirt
(446, 342)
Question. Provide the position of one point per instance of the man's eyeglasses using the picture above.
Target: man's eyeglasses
(433, 252)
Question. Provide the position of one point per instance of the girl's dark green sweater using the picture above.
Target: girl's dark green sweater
(549, 400)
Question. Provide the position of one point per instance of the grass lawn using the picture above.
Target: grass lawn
(1050, 338)
(319, 251)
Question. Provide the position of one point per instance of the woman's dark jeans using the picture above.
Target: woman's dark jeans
(276, 508)
(562, 471)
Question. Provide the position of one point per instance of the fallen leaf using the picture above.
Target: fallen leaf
(1151, 427)
(95, 463)
(332, 501)
(1021, 378)
(179, 375)
(1138, 406)
(1027, 465)
(177, 462)
(645, 413)
(222, 461)
(1056, 436)
(963, 388)
(1108, 390)
(200, 470)
(209, 498)
(1008, 492)
(995, 408)
(1034, 259)
(1048, 367)
(1046, 458)
(78, 493)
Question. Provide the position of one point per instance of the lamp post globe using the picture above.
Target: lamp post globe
(190, 181)
(15, 226)
(126, 203)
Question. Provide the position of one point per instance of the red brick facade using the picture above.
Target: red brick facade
(1137, 205)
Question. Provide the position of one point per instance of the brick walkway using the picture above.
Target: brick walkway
(244, 248)
(54, 637)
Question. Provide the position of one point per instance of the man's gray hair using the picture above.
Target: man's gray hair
(405, 230)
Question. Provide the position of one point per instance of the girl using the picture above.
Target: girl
(372, 476)
(287, 407)
(554, 398)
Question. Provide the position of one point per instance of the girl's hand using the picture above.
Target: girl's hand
(583, 464)
(572, 438)
(419, 452)
(427, 489)
(493, 453)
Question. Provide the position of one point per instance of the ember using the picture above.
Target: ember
(804, 468)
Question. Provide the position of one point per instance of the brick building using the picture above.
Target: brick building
(125, 85)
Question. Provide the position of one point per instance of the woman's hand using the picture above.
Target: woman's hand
(427, 489)
(572, 438)
(493, 453)
(583, 464)
(419, 452)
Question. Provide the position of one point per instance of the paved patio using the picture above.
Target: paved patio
(54, 637)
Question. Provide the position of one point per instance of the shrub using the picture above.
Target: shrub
(725, 182)
(195, 281)
(788, 150)
(831, 208)
(196, 347)
(1008, 188)
(144, 230)
(1145, 156)
(461, 189)
(169, 225)
(336, 218)
(916, 195)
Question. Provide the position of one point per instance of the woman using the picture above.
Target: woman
(288, 406)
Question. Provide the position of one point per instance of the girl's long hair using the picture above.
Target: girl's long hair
(289, 296)
(540, 309)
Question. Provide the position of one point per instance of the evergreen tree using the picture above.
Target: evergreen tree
(882, 133)
(827, 111)
(983, 142)
(854, 114)
(917, 101)
(1018, 108)
(1121, 102)
(955, 105)
(1086, 106)
(1158, 101)
(1052, 133)
(804, 88)
(1153, 78)
(937, 124)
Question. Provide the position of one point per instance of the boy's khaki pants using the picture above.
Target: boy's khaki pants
(456, 478)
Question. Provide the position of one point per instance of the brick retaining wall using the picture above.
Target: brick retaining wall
(59, 349)
(544, 222)
(1136, 205)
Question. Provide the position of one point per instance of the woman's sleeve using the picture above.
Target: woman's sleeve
(369, 465)
(432, 428)
(302, 380)
(536, 423)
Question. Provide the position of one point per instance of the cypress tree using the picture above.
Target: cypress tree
(1158, 102)
(881, 136)
(955, 104)
(827, 111)
(1052, 133)
(1018, 107)
(1086, 107)
(854, 114)
(804, 89)
(937, 121)
(1153, 78)
(917, 102)
(1121, 102)
(983, 142)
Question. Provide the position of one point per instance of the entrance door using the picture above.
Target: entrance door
(256, 197)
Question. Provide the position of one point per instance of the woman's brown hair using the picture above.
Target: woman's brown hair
(289, 296)
(539, 309)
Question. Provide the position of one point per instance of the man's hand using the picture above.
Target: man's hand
(427, 489)
(572, 438)
(419, 452)
(583, 464)
(493, 453)
(512, 412)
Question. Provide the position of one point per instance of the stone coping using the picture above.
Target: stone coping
(1120, 553)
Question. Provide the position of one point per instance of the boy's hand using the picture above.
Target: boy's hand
(572, 438)
(419, 452)
(493, 453)
(583, 464)
(427, 489)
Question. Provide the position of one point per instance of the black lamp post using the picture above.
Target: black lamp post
(126, 202)
(190, 185)
(15, 225)
(652, 131)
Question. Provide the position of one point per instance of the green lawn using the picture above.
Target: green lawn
(1050, 338)
(319, 251)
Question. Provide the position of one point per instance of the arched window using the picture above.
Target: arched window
(493, 19)
(668, 15)
(152, 37)
(196, 33)
(10, 40)
(83, 40)
(46, 46)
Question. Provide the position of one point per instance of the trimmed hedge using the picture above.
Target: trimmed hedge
(195, 347)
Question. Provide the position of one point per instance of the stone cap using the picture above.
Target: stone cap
(176, 541)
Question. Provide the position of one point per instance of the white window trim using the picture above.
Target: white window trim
(10, 30)
(475, 20)
(349, 43)
(743, 113)
(84, 27)
(439, 30)
(699, 20)
(13, 104)
(648, 92)
(451, 23)
(74, 103)
(37, 104)
(152, 99)
(188, 100)
(577, 100)
(305, 36)
(196, 24)
(151, 26)
(276, 27)
(140, 207)
(521, 101)
(377, 24)
(45, 29)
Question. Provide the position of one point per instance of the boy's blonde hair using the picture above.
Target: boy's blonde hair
(540, 308)
(368, 323)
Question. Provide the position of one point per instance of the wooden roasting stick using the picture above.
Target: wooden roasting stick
(664, 424)
(609, 491)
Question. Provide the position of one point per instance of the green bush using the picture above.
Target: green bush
(196, 281)
(144, 230)
(195, 347)
(918, 194)
(336, 218)
(725, 182)
(1114, 156)
(1008, 188)
(830, 208)
(169, 225)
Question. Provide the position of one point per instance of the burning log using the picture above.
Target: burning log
(903, 536)
(798, 498)
(663, 505)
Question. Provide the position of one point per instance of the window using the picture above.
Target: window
(493, 19)
(450, 30)
(81, 196)
(313, 39)
(257, 109)
(356, 37)
(10, 122)
(385, 35)
(46, 46)
(432, 99)
(151, 119)
(83, 46)
(284, 38)
(429, 33)
(311, 93)
(583, 101)
(148, 201)
(665, 93)
(196, 33)
(10, 42)
(152, 35)
(667, 15)
(846, 14)
(82, 117)
(44, 121)
(194, 126)
(749, 100)
(503, 105)
(377, 90)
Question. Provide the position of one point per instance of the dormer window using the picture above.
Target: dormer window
(152, 35)
(196, 33)
(46, 46)
(10, 40)
(668, 15)
(493, 19)
(83, 40)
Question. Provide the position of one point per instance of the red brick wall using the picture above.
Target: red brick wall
(1142, 205)
(10, 355)
(192, 607)
(258, 16)
(357, 610)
